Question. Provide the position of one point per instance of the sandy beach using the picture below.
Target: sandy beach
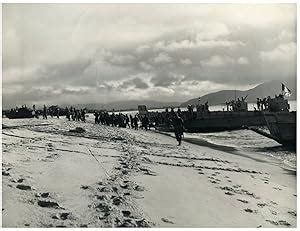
(120, 177)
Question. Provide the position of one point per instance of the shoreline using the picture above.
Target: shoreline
(234, 151)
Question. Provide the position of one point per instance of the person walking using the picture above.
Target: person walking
(135, 122)
(45, 112)
(178, 128)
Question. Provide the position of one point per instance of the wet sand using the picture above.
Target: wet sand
(116, 177)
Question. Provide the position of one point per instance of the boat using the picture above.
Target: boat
(202, 120)
(20, 113)
(222, 121)
(282, 127)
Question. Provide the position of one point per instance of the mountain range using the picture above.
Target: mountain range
(260, 91)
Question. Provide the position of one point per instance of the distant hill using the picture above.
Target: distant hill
(127, 105)
(262, 90)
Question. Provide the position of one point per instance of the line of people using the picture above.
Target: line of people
(75, 114)
(121, 120)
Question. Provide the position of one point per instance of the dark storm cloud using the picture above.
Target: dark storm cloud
(166, 79)
(72, 69)
(135, 82)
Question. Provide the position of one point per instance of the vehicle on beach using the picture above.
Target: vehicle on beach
(279, 120)
(203, 120)
(20, 113)
(282, 127)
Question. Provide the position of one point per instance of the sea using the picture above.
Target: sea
(247, 142)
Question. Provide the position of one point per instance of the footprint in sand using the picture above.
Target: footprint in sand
(43, 195)
(280, 222)
(126, 213)
(229, 193)
(261, 205)
(117, 200)
(293, 213)
(243, 201)
(61, 216)
(276, 188)
(237, 186)
(5, 173)
(213, 181)
(24, 187)
(127, 223)
(138, 188)
(48, 204)
(273, 212)
(167, 220)
(273, 202)
(20, 180)
(123, 185)
(84, 187)
(250, 210)
(103, 207)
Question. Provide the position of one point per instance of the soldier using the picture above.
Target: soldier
(258, 103)
(57, 112)
(206, 106)
(34, 112)
(145, 122)
(131, 121)
(227, 106)
(45, 112)
(127, 121)
(68, 113)
(83, 115)
(96, 114)
(135, 122)
(178, 128)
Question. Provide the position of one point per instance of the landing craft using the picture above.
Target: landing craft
(20, 113)
(280, 122)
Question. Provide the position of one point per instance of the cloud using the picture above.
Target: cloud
(134, 83)
(121, 59)
(145, 66)
(55, 52)
(162, 58)
(186, 61)
(282, 53)
(166, 79)
(243, 60)
(143, 48)
(217, 61)
(198, 44)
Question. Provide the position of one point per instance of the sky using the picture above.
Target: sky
(99, 53)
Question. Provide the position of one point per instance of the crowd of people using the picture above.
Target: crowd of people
(278, 103)
(167, 118)
(117, 120)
